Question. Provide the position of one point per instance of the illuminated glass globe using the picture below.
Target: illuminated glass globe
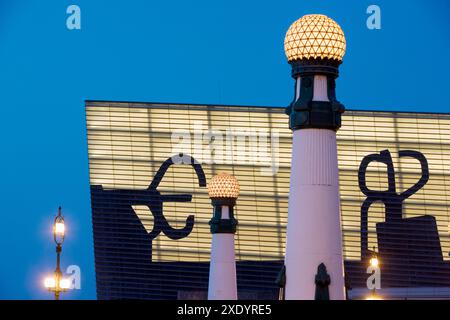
(223, 185)
(314, 36)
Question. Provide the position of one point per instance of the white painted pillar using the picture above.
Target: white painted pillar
(222, 269)
(314, 233)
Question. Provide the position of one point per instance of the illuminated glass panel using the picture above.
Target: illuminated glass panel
(128, 142)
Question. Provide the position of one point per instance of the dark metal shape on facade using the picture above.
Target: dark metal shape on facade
(152, 198)
(402, 242)
(113, 215)
(322, 282)
(390, 198)
(305, 113)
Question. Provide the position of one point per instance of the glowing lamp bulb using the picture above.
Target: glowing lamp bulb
(60, 228)
(314, 36)
(374, 262)
(223, 185)
(49, 282)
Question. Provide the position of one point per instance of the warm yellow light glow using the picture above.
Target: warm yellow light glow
(223, 185)
(60, 228)
(49, 282)
(374, 262)
(64, 284)
(373, 296)
(314, 36)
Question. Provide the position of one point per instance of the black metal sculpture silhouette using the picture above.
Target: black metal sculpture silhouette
(409, 248)
(322, 282)
(122, 243)
(154, 200)
(390, 198)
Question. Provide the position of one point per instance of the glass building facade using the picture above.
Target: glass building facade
(150, 163)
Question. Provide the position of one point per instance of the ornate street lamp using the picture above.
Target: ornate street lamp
(57, 283)
(314, 46)
(223, 190)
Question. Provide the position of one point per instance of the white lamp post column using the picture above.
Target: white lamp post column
(223, 190)
(314, 46)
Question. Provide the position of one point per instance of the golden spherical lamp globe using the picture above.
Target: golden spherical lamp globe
(314, 36)
(223, 185)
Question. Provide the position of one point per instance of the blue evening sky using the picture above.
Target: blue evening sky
(227, 52)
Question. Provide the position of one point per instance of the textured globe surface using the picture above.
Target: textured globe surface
(314, 36)
(223, 185)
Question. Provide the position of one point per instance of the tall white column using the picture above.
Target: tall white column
(314, 227)
(222, 270)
